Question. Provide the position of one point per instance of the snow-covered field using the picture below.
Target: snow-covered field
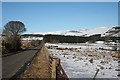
(82, 60)
(32, 38)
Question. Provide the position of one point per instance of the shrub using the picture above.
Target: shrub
(10, 45)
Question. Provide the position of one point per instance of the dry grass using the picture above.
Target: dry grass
(39, 68)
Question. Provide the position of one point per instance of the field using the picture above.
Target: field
(82, 60)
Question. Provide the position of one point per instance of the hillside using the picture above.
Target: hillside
(114, 31)
(80, 35)
(104, 31)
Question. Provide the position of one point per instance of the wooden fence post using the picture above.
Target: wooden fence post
(58, 61)
(96, 74)
(53, 76)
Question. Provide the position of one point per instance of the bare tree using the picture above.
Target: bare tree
(12, 30)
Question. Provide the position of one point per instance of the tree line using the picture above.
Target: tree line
(77, 39)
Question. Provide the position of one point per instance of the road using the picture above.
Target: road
(11, 64)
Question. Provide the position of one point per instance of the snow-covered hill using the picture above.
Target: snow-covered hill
(104, 31)
(80, 32)
(98, 30)
(114, 31)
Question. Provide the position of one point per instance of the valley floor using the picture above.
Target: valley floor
(82, 60)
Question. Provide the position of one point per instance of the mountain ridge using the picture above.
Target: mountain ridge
(104, 31)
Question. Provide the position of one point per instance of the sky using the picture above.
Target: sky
(56, 16)
(60, 0)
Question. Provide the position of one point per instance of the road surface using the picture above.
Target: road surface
(11, 64)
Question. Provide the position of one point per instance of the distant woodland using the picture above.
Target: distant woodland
(73, 39)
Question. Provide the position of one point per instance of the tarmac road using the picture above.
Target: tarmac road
(11, 64)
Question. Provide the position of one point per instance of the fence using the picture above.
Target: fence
(56, 70)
